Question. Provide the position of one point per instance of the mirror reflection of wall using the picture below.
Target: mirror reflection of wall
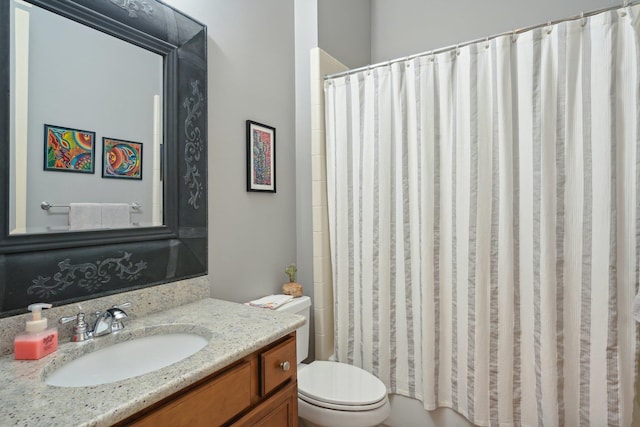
(69, 75)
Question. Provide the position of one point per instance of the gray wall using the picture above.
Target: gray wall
(252, 236)
(405, 27)
(344, 30)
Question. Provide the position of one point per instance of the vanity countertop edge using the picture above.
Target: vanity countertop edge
(235, 330)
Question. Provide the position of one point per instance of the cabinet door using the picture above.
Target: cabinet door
(280, 410)
(210, 404)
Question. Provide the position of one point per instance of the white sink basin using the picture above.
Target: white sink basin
(127, 360)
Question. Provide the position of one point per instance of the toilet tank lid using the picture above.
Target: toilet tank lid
(296, 305)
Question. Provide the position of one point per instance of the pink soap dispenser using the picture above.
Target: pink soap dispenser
(37, 341)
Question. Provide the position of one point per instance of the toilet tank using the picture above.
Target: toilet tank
(301, 306)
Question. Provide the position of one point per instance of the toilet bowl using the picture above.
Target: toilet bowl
(334, 394)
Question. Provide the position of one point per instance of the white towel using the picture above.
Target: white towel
(271, 301)
(116, 215)
(636, 308)
(85, 216)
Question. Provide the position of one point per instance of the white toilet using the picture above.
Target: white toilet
(333, 394)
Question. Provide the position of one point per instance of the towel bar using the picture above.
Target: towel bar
(47, 205)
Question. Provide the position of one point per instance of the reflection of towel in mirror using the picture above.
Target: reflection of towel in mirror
(115, 215)
(84, 216)
(636, 308)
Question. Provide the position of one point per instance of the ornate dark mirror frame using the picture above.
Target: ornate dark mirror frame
(62, 268)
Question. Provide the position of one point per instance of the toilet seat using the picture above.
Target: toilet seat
(350, 408)
(335, 385)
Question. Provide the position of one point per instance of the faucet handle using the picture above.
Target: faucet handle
(117, 314)
(120, 307)
(68, 319)
(123, 305)
(81, 331)
(117, 311)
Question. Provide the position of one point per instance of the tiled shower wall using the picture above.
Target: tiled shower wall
(321, 65)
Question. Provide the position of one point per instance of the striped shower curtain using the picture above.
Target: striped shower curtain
(485, 223)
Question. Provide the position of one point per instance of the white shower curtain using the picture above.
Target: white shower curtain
(485, 224)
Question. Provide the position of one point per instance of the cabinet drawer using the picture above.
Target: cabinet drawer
(210, 404)
(278, 365)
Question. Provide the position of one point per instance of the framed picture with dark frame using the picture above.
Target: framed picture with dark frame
(261, 157)
(121, 159)
(68, 150)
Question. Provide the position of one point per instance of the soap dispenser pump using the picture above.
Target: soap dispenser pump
(37, 341)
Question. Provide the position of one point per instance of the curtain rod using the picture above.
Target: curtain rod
(583, 15)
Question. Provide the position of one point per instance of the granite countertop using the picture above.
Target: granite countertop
(234, 330)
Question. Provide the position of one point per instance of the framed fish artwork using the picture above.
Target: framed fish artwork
(121, 159)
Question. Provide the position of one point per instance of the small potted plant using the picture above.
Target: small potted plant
(292, 288)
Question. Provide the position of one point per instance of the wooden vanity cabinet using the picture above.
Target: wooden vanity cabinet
(258, 390)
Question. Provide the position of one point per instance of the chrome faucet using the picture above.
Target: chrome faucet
(107, 321)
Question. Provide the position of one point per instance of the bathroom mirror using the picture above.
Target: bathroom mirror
(72, 76)
(58, 265)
